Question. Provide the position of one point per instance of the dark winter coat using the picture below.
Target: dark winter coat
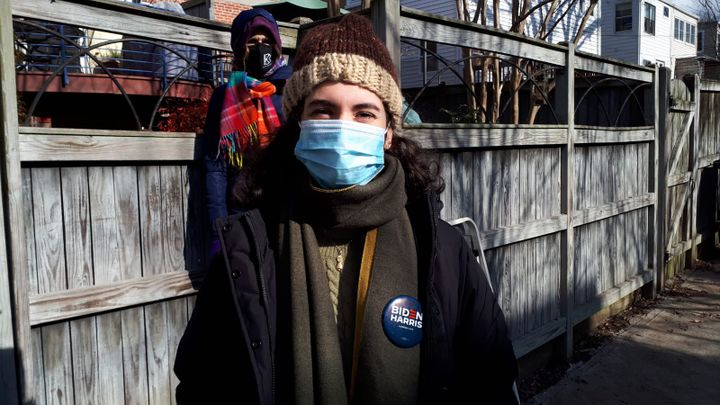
(218, 174)
(235, 349)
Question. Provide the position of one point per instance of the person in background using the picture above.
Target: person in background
(343, 285)
(245, 112)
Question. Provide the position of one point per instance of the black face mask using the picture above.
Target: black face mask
(259, 60)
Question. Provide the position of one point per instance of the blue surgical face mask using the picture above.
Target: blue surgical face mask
(340, 153)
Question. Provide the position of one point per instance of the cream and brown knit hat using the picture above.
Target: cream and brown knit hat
(347, 51)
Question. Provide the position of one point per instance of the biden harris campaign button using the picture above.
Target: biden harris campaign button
(402, 321)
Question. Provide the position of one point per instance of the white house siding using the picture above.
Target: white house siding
(681, 49)
(656, 48)
(623, 44)
(639, 47)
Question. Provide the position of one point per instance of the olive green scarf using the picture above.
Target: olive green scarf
(322, 349)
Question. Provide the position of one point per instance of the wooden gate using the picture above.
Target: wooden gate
(679, 164)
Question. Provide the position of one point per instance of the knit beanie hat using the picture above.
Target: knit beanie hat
(347, 51)
(249, 22)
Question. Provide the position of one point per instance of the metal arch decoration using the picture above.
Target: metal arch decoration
(449, 66)
(624, 83)
(167, 88)
(85, 51)
(632, 93)
(599, 99)
(529, 79)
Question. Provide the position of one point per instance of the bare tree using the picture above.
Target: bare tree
(549, 14)
(708, 10)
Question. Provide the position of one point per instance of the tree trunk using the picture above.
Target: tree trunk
(515, 88)
(469, 77)
(333, 8)
(584, 21)
(497, 90)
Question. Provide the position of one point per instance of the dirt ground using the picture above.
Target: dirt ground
(664, 351)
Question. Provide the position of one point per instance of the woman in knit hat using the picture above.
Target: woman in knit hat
(244, 112)
(344, 286)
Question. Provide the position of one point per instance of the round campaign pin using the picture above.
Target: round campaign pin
(402, 321)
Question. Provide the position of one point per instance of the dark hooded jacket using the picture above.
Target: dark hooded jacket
(218, 174)
(235, 348)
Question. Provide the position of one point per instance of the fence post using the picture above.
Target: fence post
(385, 16)
(661, 192)
(651, 109)
(565, 108)
(695, 179)
(16, 375)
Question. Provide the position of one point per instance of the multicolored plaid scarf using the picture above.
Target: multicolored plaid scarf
(248, 117)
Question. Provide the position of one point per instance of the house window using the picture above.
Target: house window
(679, 29)
(666, 12)
(623, 17)
(684, 31)
(690, 33)
(649, 25)
(700, 42)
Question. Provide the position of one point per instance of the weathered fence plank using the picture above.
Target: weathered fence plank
(586, 135)
(16, 339)
(157, 353)
(78, 251)
(145, 23)
(506, 235)
(452, 136)
(50, 251)
(605, 66)
(79, 302)
(421, 25)
(612, 209)
(59, 148)
(150, 219)
(678, 179)
(679, 145)
(173, 221)
(126, 204)
(32, 279)
(176, 322)
(107, 262)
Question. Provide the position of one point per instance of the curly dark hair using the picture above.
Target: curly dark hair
(270, 172)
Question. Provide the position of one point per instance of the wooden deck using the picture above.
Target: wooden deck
(32, 82)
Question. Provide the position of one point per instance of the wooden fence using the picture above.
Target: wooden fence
(690, 144)
(566, 212)
(106, 233)
(104, 229)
